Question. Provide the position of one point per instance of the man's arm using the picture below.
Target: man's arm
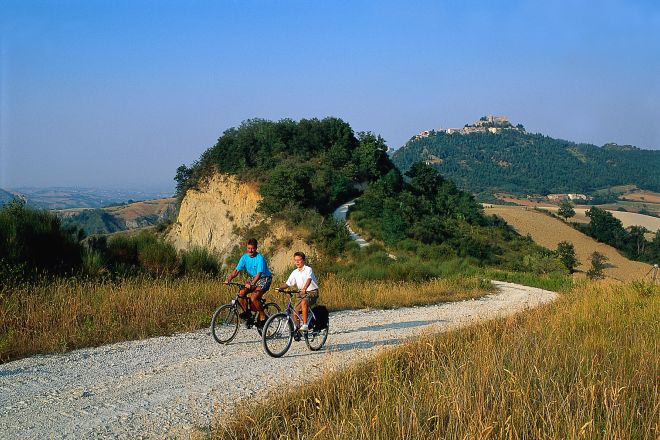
(254, 280)
(231, 276)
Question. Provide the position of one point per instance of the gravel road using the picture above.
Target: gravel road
(164, 387)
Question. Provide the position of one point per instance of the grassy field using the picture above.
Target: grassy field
(62, 315)
(548, 232)
(585, 366)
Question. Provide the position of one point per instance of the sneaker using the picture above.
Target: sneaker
(304, 328)
(249, 322)
(245, 315)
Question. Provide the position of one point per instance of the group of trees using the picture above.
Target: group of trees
(428, 214)
(312, 163)
(523, 163)
(606, 228)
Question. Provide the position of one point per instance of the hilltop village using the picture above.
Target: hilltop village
(487, 124)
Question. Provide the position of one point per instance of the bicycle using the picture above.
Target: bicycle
(279, 330)
(226, 319)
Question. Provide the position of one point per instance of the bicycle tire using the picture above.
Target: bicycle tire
(277, 335)
(224, 324)
(315, 339)
(270, 309)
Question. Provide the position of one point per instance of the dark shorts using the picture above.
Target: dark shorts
(264, 283)
(311, 297)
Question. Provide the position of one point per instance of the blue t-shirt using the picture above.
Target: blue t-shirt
(253, 265)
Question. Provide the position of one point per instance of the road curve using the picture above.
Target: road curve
(169, 385)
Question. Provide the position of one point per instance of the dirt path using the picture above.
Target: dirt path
(168, 385)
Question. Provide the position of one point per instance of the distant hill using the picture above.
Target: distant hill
(492, 155)
(72, 197)
(119, 218)
(6, 196)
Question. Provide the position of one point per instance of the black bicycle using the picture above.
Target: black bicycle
(227, 318)
(279, 331)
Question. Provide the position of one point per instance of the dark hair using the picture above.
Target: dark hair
(301, 255)
(252, 241)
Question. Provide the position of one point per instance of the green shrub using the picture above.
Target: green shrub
(156, 256)
(198, 260)
(35, 240)
(92, 262)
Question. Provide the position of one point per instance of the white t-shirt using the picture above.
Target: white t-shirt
(300, 277)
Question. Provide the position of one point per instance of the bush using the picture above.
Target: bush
(597, 265)
(566, 254)
(35, 239)
(198, 260)
(157, 257)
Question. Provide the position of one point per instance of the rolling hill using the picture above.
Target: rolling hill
(548, 232)
(491, 155)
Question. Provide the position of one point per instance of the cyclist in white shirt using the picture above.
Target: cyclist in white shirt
(308, 288)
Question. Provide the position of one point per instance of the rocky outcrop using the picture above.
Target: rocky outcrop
(216, 215)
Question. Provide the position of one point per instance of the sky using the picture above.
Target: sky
(119, 93)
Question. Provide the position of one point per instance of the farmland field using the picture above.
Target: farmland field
(548, 232)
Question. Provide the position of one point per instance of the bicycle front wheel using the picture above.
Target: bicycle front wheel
(224, 324)
(277, 335)
(270, 309)
(315, 339)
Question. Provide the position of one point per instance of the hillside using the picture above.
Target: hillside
(548, 232)
(56, 197)
(6, 196)
(118, 218)
(492, 155)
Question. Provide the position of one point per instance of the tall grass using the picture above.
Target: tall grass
(64, 314)
(586, 366)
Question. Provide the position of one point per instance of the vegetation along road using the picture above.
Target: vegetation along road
(170, 385)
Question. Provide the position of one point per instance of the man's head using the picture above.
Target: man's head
(251, 247)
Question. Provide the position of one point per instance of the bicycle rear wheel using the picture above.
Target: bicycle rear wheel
(277, 335)
(315, 339)
(224, 324)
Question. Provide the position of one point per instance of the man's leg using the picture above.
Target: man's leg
(255, 297)
(243, 299)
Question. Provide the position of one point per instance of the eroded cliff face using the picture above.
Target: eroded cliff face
(213, 215)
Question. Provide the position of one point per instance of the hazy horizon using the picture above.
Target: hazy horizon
(119, 94)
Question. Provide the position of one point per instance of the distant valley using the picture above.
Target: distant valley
(79, 197)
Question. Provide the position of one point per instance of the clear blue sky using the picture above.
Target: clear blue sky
(117, 92)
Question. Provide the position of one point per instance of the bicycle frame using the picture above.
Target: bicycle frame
(291, 310)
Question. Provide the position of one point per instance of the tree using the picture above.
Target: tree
(566, 210)
(605, 228)
(183, 174)
(566, 254)
(597, 265)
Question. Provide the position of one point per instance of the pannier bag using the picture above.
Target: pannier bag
(321, 317)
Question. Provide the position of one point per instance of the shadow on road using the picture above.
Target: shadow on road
(365, 344)
(396, 325)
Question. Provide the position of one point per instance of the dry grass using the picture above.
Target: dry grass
(584, 367)
(66, 314)
(548, 232)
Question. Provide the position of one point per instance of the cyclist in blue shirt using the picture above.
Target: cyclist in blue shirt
(255, 265)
